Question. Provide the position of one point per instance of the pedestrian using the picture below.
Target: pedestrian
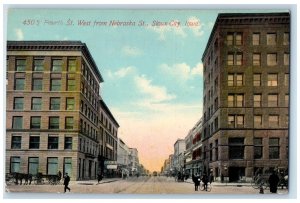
(273, 181)
(99, 177)
(196, 180)
(66, 182)
(205, 181)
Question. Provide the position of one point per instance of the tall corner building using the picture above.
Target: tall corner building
(246, 95)
(53, 110)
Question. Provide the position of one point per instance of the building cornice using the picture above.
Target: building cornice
(55, 46)
(246, 19)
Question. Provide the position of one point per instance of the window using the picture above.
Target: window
(33, 165)
(68, 165)
(36, 103)
(54, 103)
(273, 120)
(235, 121)
(20, 64)
(272, 80)
(71, 65)
(71, 85)
(257, 121)
(210, 152)
(53, 122)
(18, 103)
(239, 80)
(68, 143)
(230, 80)
(38, 65)
(230, 100)
(52, 142)
(240, 121)
(239, 59)
(258, 148)
(55, 85)
(256, 80)
(56, 65)
(19, 83)
(15, 163)
(272, 100)
(238, 39)
(235, 100)
(255, 39)
(271, 39)
(35, 122)
(236, 148)
(240, 100)
(286, 79)
(230, 60)
(256, 59)
(234, 38)
(69, 123)
(274, 148)
(17, 122)
(234, 59)
(286, 59)
(271, 59)
(286, 38)
(70, 103)
(37, 84)
(52, 166)
(34, 142)
(216, 150)
(257, 100)
(229, 39)
(16, 142)
(286, 100)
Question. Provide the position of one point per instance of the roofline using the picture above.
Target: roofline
(56, 45)
(102, 104)
(239, 15)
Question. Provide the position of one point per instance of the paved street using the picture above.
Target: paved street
(141, 185)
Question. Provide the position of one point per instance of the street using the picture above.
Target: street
(140, 185)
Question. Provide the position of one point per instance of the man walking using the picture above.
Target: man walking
(66, 182)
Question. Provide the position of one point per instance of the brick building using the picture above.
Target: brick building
(246, 95)
(53, 109)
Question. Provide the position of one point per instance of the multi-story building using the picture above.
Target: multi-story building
(108, 141)
(53, 108)
(246, 95)
(134, 161)
(179, 148)
(123, 157)
(193, 143)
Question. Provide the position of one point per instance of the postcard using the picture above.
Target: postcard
(147, 101)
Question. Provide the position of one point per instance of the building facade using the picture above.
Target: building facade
(193, 152)
(53, 110)
(108, 141)
(246, 95)
(134, 161)
(123, 158)
(179, 148)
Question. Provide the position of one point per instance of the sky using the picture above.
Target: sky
(150, 61)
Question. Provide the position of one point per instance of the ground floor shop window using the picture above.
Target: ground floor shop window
(15, 163)
(52, 166)
(236, 148)
(68, 166)
(33, 165)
